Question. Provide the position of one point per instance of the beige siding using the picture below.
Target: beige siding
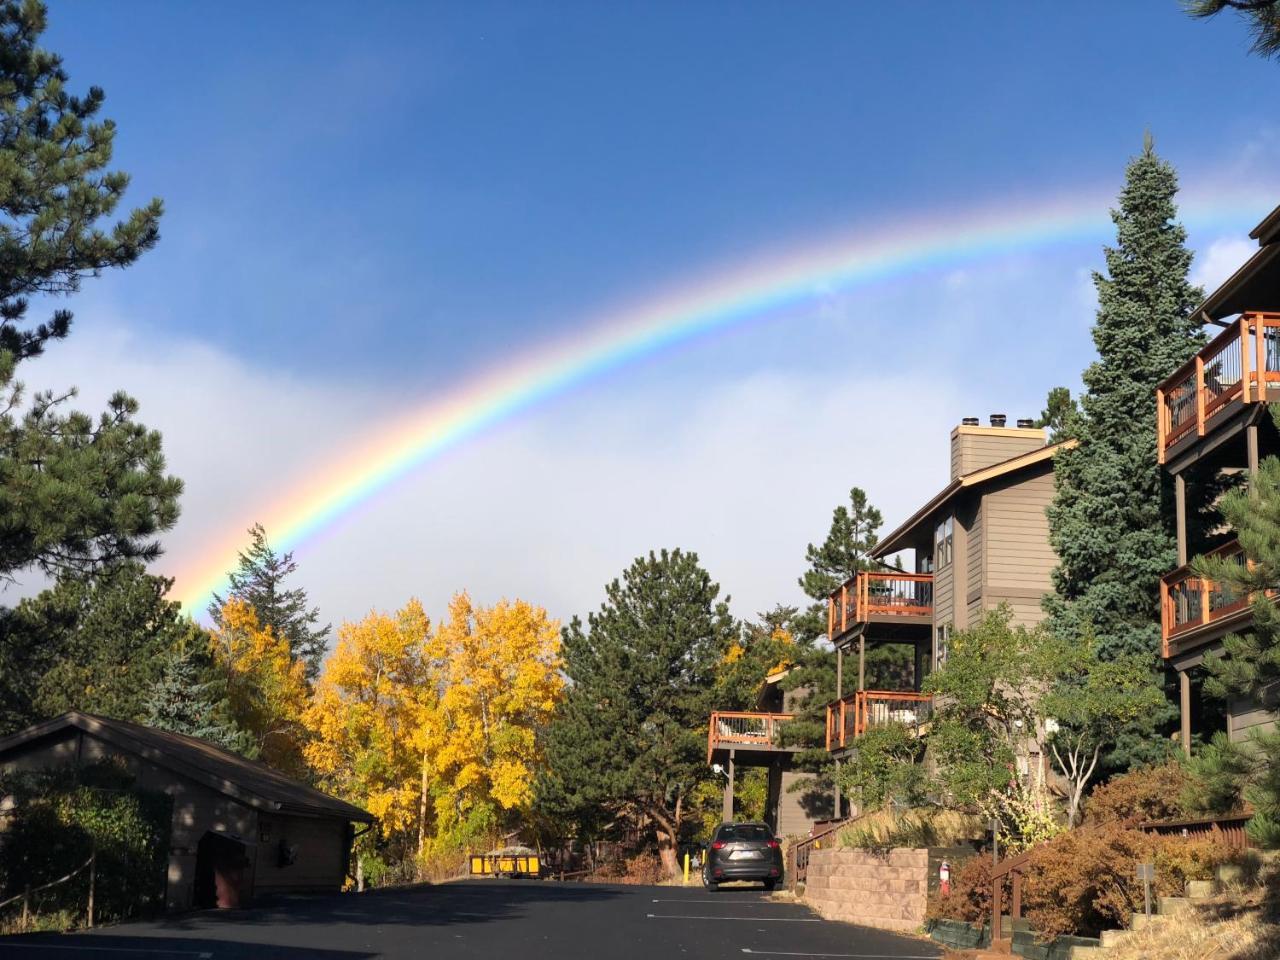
(974, 613)
(798, 809)
(944, 595)
(974, 561)
(317, 848)
(1019, 559)
(974, 448)
(1247, 717)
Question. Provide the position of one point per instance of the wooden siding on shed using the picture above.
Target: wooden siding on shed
(1247, 717)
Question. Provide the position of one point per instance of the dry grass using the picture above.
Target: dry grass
(912, 828)
(1241, 925)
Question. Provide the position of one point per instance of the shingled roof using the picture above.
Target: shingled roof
(248, 781)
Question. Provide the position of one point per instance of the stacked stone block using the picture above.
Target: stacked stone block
(885, 889)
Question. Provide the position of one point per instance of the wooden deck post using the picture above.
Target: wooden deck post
(1015, 908)
(1180, 515)
(1184, 704)
(1244, 359)
(726, 809)
(1260, 325)
(1161, 426)
(862, 661)
(997, 909)
(1200, 395)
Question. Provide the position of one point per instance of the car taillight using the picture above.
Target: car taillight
(774, 844)
(718, 845)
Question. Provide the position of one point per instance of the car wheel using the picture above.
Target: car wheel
(707, 882)
(769, 885)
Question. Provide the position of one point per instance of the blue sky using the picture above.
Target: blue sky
(366, 204)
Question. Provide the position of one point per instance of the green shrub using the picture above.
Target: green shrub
(59, 818)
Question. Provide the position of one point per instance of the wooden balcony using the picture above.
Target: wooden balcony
(754, 732)
(891, 598)
(1193, 608)
(852, 716)
(1235, 369)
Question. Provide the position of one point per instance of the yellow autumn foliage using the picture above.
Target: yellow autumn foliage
(366, 713)
(500, 681)
(266, 687)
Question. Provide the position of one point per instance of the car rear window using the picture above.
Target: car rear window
(744, 831)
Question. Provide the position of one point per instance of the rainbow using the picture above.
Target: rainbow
(362, 470)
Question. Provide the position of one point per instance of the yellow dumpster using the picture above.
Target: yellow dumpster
(508, 862)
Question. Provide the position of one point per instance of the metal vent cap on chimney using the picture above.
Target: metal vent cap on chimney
(969, 422)
(1026, 424)
(998, 419)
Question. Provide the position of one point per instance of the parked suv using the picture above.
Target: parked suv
(742, 851)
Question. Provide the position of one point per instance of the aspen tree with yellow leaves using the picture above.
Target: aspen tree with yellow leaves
(500, 682)
(366, 716)
(266, 687)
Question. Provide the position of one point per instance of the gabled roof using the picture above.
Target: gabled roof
(1268, 231)
(1254, 286)
(248, 781)
(897, 539)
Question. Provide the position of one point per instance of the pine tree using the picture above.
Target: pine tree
(1249, 664)
(1110, 521)
(631, 732)
(258, 580)
(190, 698)
(75, 493)
(1059, 413)
(1262, 16)
(94, 643)
(846, 550)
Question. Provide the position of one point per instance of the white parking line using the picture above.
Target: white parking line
(682, 916)
(715, 900)
(850, 956)
(84, 948)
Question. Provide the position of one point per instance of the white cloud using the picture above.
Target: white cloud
(745, 470)
(1223, 258)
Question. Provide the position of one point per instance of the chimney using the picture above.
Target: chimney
(974, 446)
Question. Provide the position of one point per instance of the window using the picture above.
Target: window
(942, 639)
(944, 538)
(744, 831)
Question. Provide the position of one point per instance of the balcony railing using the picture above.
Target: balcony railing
(875, 593)
(1188, 601)
(851, 716)
(729, 729)
(1239, 363)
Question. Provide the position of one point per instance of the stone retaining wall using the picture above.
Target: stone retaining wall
(877, 889)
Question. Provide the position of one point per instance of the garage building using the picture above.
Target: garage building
(239, 830)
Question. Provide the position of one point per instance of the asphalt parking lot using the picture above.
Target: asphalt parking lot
(491, 919)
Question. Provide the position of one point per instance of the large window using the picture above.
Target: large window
(944, 538)
(942, 640)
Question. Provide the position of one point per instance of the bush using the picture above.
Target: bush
(970, 896)
(885, 829)
(1085, 880)
(1149, 793)
(59, 818)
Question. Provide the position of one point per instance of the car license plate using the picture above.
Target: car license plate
(745, 855)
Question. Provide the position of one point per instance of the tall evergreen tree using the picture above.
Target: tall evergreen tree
(1060, 410)
(189, 697)
(1249, 664)
(845, 551)
(74, 492)
(631, 733)
(259, 580)
(1110, 521)
(96, 643)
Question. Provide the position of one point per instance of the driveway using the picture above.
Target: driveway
(522, 920)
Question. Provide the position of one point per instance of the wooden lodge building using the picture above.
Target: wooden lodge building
(239, 828)
(1213, 426)
(981, 541)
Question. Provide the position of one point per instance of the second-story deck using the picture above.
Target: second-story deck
(899, 603)
(747, 734)
(852, 716)
(1238, 368)
(1194, 610)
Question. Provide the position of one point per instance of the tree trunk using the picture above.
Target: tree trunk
(668, 831)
